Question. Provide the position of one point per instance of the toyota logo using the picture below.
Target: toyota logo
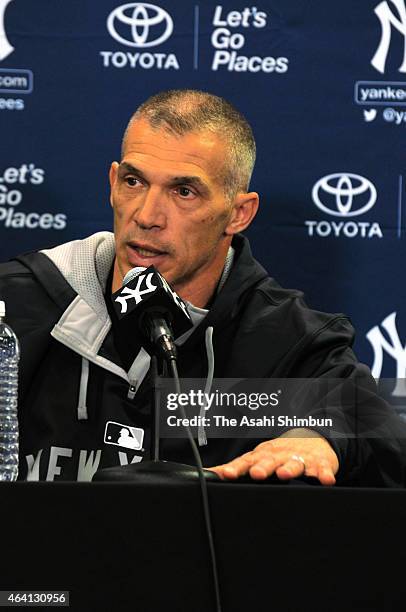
(131, 23)
(335, 194)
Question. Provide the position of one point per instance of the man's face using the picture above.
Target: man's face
(170, 209)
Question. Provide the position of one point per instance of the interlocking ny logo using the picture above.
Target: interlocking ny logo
(137, 293)
(131, 23)
(394, 348)
(5, 47)
(339, 190)
(388, 19)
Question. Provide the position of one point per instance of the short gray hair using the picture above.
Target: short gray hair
(187, 110)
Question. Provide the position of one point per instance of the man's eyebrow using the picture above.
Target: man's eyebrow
(126, 167)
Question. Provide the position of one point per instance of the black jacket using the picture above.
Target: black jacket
(76, 396)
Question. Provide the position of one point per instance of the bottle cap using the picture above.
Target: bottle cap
(2, 309)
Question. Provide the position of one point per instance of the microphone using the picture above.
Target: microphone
(147, 306)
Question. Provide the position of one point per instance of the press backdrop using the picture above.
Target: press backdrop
(323, 84)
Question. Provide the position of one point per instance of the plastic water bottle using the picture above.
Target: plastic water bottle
(9, 357)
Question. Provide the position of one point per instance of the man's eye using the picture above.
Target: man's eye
(131, 181)
(185, 193)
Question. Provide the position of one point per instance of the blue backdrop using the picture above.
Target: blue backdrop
(323, 84)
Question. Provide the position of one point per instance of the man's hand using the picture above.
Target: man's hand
(296, 453)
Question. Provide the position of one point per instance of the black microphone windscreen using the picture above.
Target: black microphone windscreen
(145, 291)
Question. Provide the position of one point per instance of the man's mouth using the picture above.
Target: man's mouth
(146, 250)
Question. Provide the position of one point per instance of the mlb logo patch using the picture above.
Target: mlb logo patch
(122, 435)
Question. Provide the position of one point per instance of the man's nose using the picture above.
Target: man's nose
(150, 210)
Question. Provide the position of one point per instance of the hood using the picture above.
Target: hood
(245, 274)
(234, 287)
(85, 265)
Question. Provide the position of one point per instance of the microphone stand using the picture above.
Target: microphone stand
(159, 472)
(154, 471)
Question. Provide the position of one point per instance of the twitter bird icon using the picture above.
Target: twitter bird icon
(369, 115)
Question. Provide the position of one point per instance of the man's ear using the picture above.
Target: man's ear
(244, 210)
(113, 178)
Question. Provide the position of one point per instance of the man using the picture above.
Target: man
(180, 199)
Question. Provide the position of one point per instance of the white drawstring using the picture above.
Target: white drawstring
(84, 379)
(201, 433)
